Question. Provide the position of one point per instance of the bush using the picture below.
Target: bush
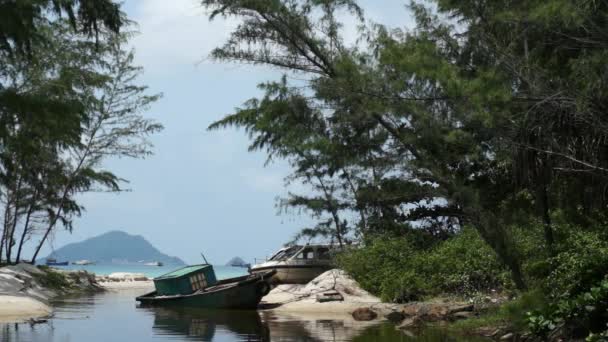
(378, 265)
(395, 270)
(52, 280)
(581, 262)
(576, 317)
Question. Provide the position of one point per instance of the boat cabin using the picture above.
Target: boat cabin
(185, 280)
(304, 254)
(297, 264)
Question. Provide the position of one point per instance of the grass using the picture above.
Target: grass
(510, 315)
(52, 280)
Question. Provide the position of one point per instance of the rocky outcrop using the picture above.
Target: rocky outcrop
(25, 290)
(416, 313)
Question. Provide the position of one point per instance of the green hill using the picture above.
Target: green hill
(114, 246)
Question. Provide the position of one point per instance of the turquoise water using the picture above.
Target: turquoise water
(221, 272)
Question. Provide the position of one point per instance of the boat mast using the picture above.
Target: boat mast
(203, 255)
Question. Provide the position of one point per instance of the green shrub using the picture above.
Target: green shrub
(396, 271)
(576, 317)
(378, 265)
(52, 279)
(463, 264)
(581, 261)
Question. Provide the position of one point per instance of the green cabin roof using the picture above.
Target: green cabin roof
(185, 280)
(182, 271)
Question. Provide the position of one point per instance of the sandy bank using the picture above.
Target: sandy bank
(25, 290)
(19, 309)
(125, 281)
(304, 298)
(127, 285)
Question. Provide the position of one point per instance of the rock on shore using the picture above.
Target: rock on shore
(354, 302)
(302, 298)
(25, 290)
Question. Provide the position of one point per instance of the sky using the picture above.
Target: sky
(201, 191)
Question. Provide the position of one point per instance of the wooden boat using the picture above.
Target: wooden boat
(297, 264)
(54, 262)
(196, 286)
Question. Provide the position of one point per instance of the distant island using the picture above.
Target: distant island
(237, 262)
(114, 247)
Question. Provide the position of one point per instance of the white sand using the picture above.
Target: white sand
(127, 285)
(19, 309)
(126, 276)
(125, 281)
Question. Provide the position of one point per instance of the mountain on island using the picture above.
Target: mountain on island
(237, 262)
(114, 247)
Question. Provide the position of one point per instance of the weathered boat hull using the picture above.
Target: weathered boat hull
(236, 293)
(292, 274)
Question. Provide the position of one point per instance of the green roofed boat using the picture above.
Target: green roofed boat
(197, 286)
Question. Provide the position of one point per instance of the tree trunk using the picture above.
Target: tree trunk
(360, 208)
(26, 226)
(543, 202)
(15, 218)
(543, 205)
(5, 226)
(66, 191)
(496, 237)
(2, 244)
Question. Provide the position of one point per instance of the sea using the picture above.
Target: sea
(115, 316)
(221, 272)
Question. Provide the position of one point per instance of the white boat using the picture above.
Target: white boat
(297, 264)
(83, 262)
(154, 263)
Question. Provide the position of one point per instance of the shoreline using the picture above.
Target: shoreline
(18, 309)
(26, 290)
(23, 298)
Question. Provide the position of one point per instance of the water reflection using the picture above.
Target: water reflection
(115, 317)
(202, 325)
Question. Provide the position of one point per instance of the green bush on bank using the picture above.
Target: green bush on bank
(568, 287)
(396, 270)
(51, 279)
(581, 262)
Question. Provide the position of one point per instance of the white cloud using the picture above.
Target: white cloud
(263, 180)
(176, 32)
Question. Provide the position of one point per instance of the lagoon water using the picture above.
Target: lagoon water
(115, 316)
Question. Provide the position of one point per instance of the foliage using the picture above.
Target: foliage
(397, 270)
(69, 99)
(582, 261)
(580, 315)
(52, 279)
(512, 314)
(488, 116)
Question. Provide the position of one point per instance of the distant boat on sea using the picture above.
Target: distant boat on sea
(54, 262)
(83, 262)
(237, 262)
(154, 263)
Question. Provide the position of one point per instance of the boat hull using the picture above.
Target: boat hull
(236, 293)
(292, 274)
(65, 263)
